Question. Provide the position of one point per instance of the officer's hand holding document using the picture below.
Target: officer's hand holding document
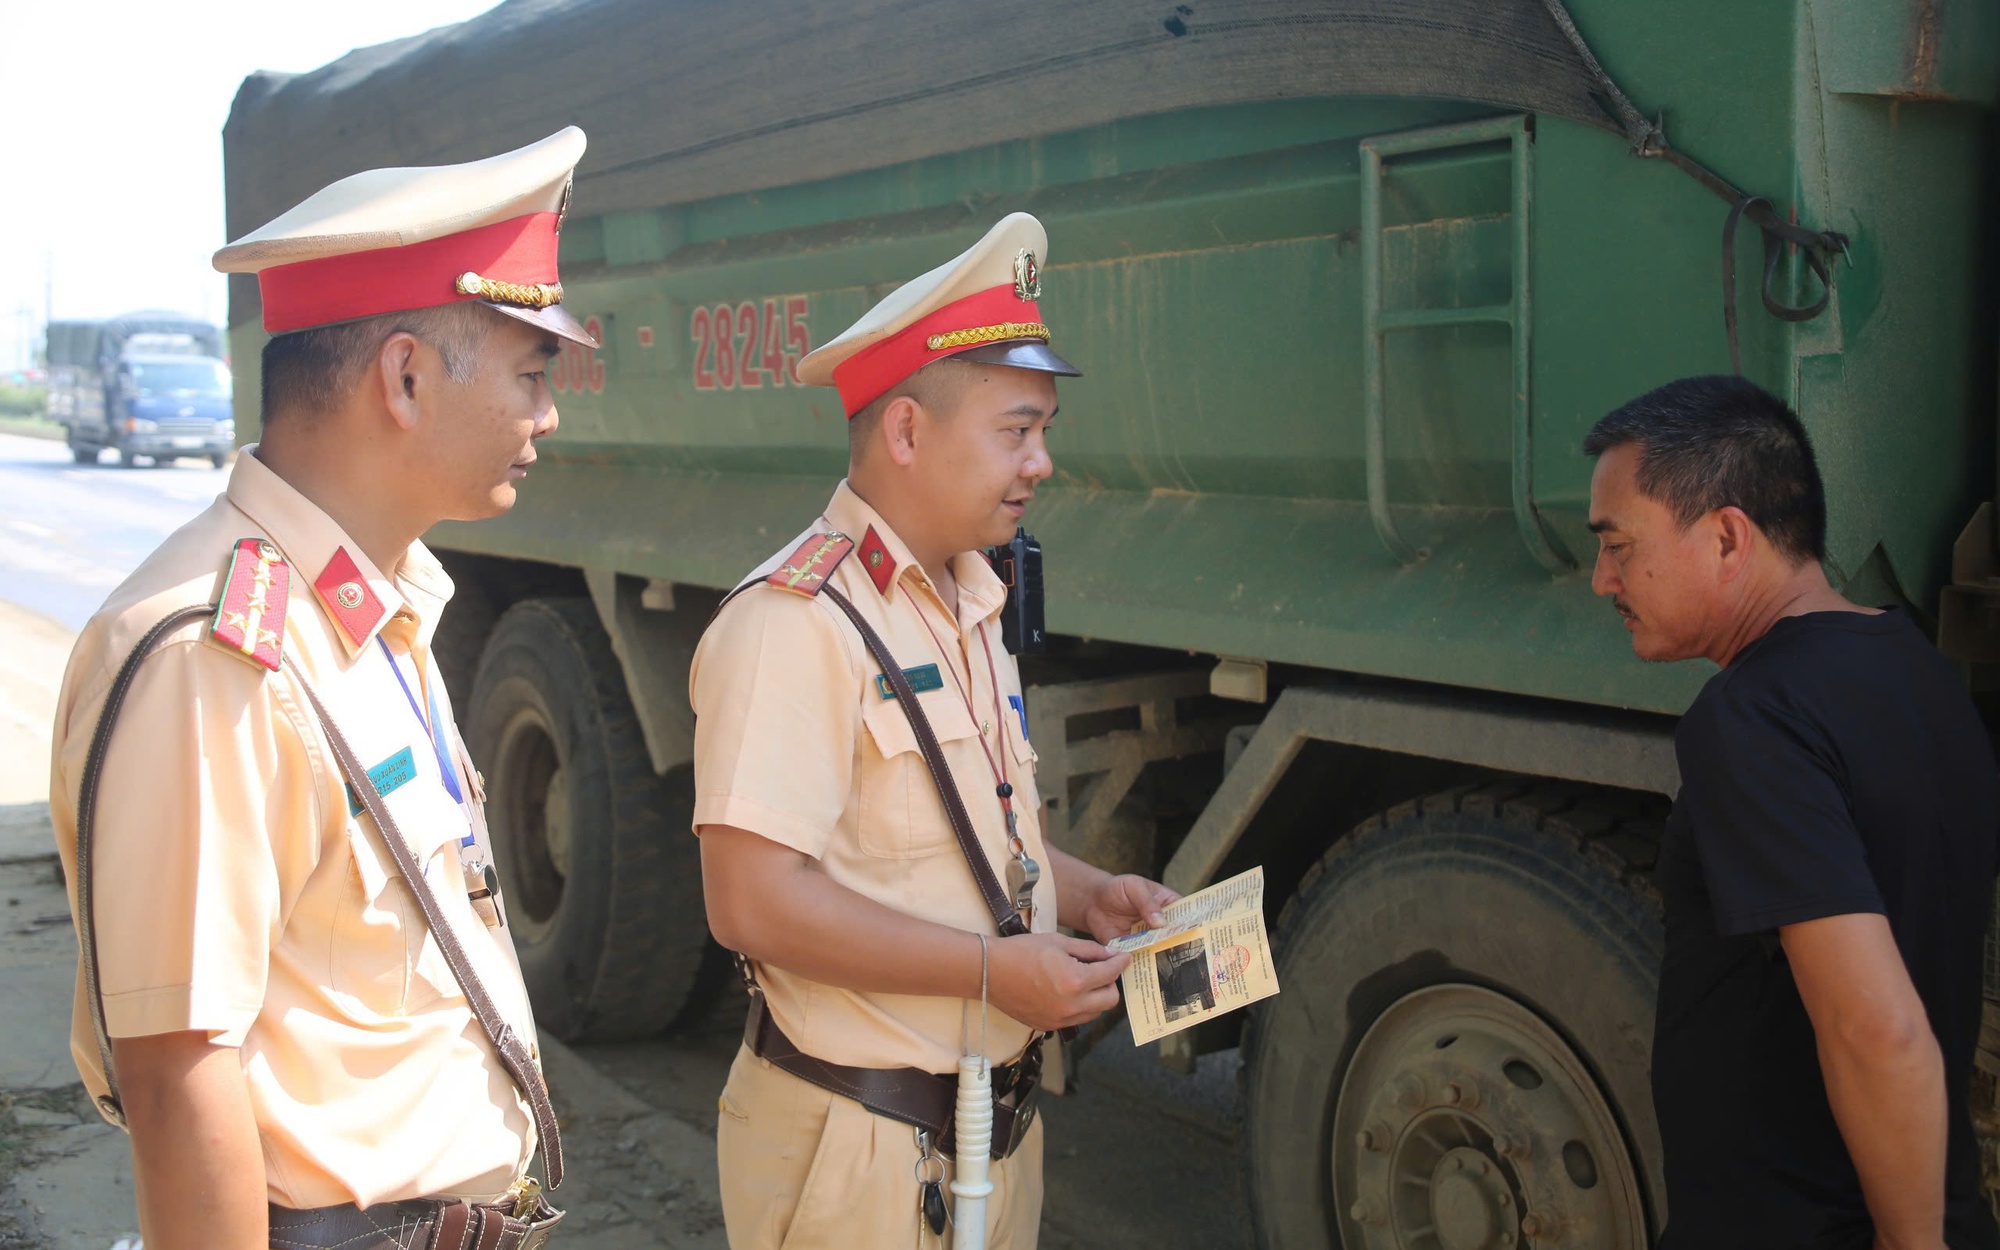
(1211, 956)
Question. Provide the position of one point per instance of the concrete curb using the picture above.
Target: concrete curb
(30, 676)
(25, 834)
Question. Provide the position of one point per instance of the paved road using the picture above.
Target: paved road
(69, 533)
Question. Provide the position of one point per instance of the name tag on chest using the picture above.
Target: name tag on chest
(925, 677)
(390, 775)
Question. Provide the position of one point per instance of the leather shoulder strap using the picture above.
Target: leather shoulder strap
(513, 1052)
(507, 1044)
(86, 825)
(1004, 915)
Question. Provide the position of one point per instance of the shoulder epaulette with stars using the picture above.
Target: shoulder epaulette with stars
(250, 619)
(806, 570)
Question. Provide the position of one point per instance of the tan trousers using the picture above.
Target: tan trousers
(805, 1169)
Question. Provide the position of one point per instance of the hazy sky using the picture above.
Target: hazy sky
(114, 115)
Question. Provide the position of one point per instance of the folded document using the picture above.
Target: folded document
(1211, 956)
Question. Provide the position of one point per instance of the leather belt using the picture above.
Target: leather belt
(417, 1224)
(908, 1095)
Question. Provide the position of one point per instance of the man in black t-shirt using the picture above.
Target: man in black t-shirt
(1828, 869)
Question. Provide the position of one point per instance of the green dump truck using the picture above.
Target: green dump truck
(1349, 282)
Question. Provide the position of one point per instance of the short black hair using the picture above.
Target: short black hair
(1716, 442)
(309, 372)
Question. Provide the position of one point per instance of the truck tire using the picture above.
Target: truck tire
(1459, 1057)
(83, 455)
(461, 637)
(601, 876)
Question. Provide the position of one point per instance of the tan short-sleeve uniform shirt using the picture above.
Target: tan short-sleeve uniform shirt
(238, 893)
(795, 741)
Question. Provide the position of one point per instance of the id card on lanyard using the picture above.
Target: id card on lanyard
(482, 884)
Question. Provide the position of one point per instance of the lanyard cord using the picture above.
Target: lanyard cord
(429, 723)
(1005, 788)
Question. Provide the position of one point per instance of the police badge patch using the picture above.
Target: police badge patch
(1027, 276)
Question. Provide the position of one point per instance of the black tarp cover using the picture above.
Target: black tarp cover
(89, 342)
(688, 99)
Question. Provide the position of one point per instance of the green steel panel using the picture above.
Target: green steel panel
(1294, 581)
(1207, 271)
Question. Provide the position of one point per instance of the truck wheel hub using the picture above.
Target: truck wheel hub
(1466, 1123)
(556, 822)
(1469, 1201)
(529, 815)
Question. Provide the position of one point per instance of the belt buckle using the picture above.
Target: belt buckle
(537, 1237)
(1024, 1119)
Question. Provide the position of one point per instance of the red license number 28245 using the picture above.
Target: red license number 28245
(741, 346)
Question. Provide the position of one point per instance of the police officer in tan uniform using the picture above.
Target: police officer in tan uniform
(830, 860)
(309, 1047)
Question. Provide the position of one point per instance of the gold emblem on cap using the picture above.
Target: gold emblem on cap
(988, 334)
(535, 295)
(1027, 276)
(348, 595)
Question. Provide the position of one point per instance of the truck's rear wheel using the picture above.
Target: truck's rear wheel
(601, 875)
(1458, 1060)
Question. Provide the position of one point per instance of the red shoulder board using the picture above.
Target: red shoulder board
(250, 620)
(805, 571)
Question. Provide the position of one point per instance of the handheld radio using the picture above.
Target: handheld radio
(1019, 565)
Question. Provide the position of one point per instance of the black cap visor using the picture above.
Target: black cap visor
(1020, 354)
(555, 319)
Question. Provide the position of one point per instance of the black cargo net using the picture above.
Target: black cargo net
(91, 342)
(691, 99)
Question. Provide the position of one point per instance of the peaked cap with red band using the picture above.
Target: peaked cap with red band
(979, 306)
(396, 240)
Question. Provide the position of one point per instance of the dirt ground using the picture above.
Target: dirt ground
(1137, 1158)
(638, 1177)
